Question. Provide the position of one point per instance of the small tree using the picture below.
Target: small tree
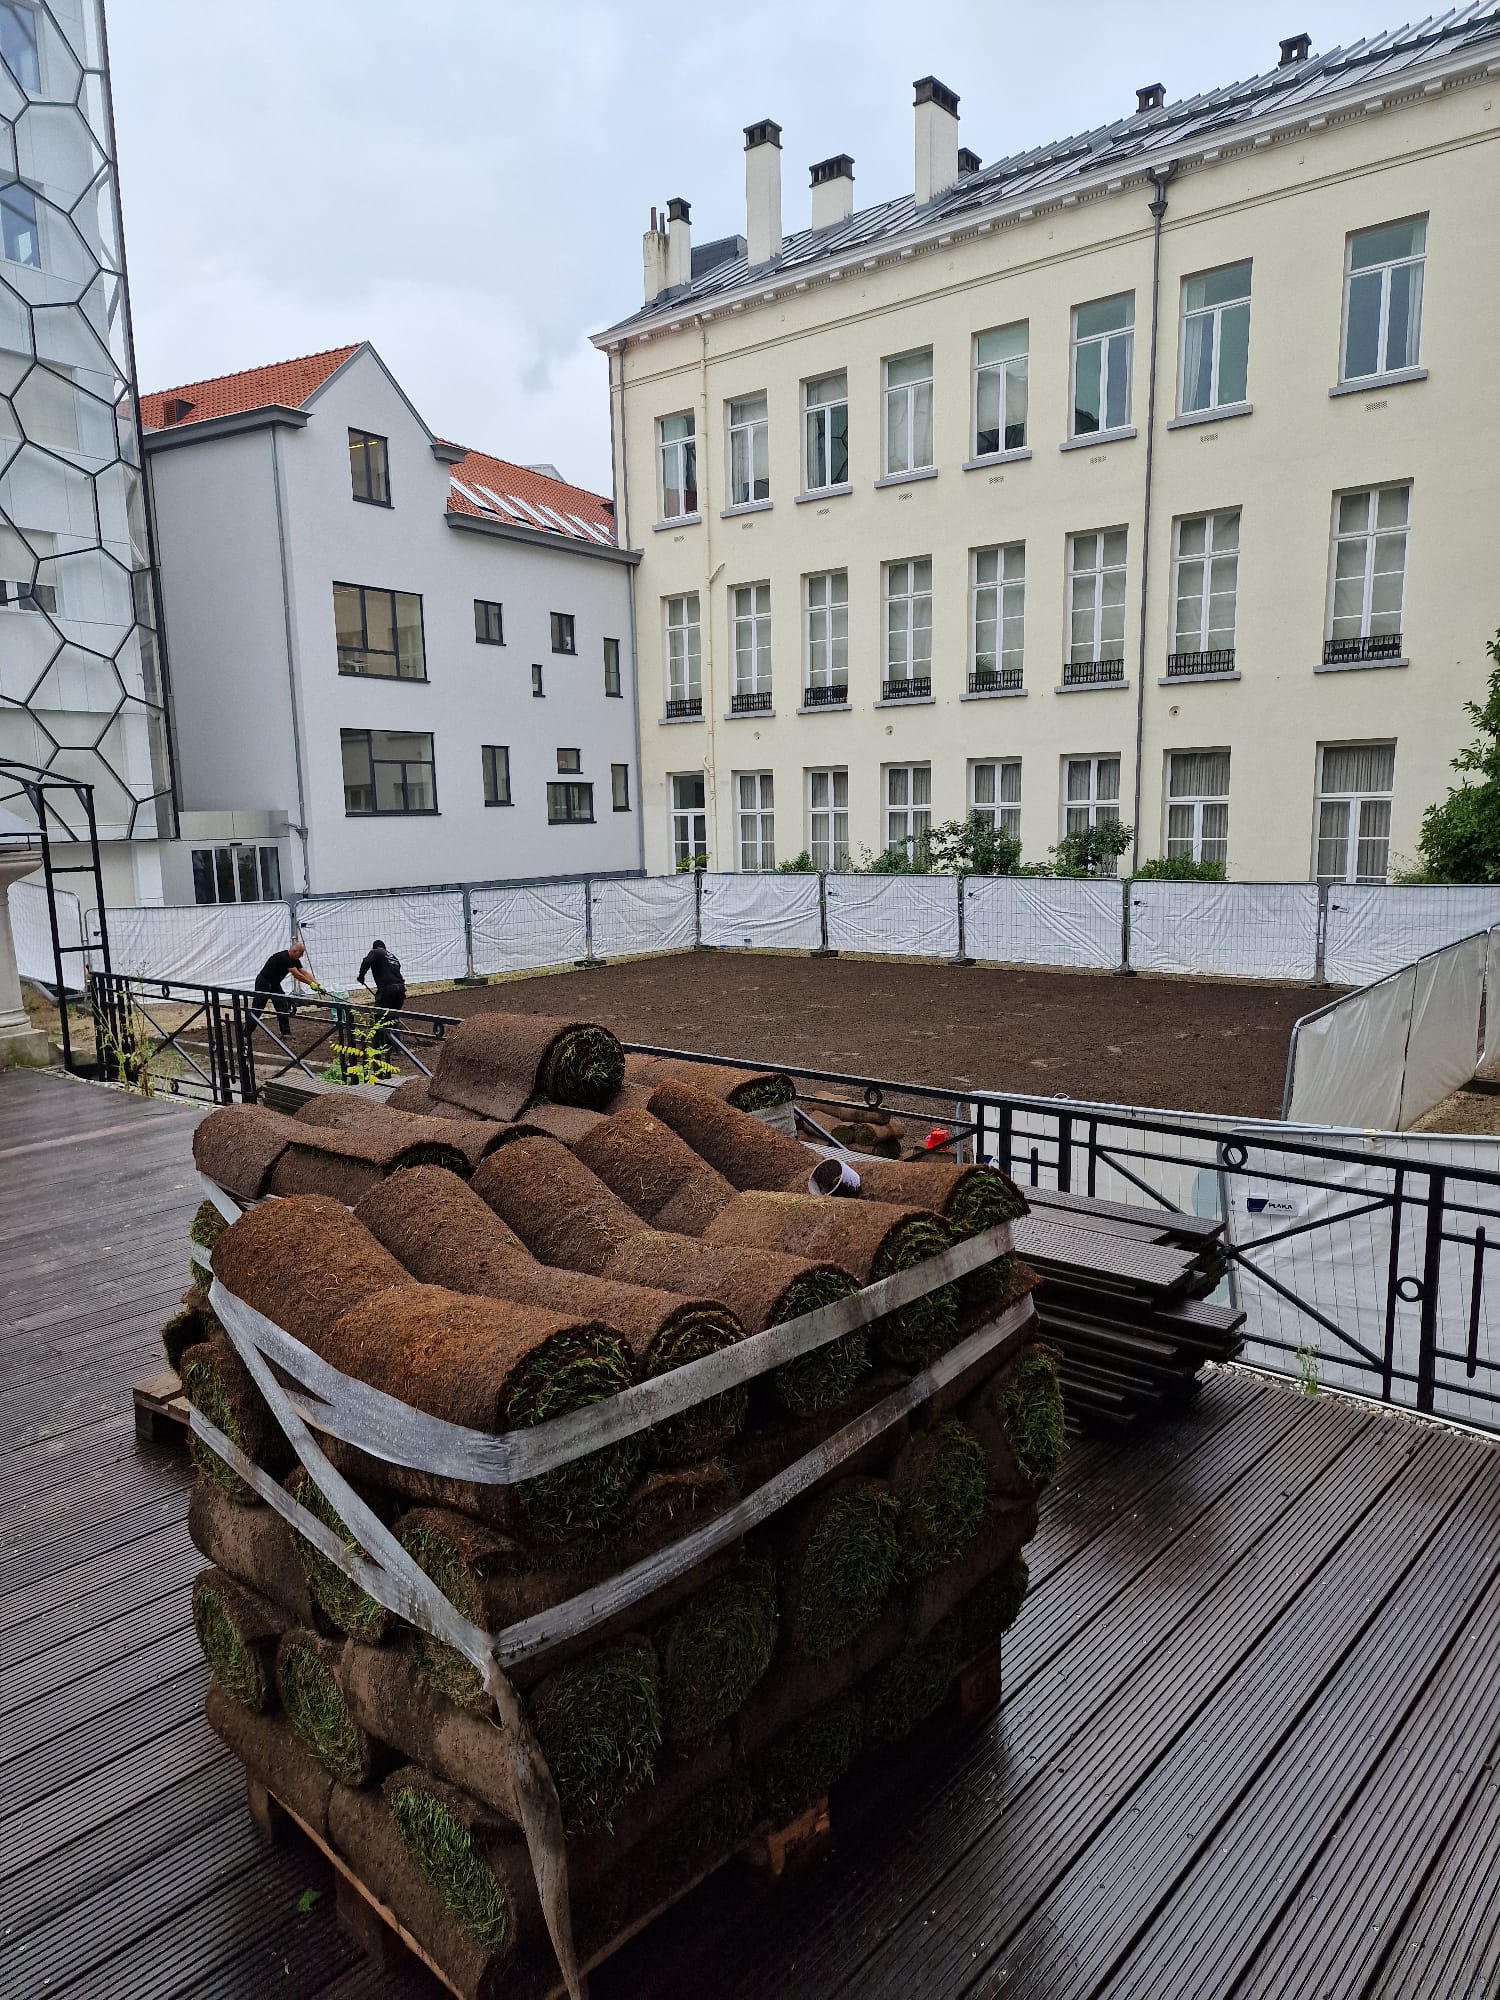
(1460, 839)
(800, 864)
(1094, 851)
(973, 846)
(1180, 868)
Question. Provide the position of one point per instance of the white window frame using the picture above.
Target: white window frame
(1219, 558)
(748, 449)
(682, 647)
(1113, 360)
(821, 624)
(755, 821)
(997, 602)
(1207, 814)
(818, 429)
(750, 637)
(675, 459)
(1367, 643)
(1216, 401)
(1096, 573)
(1386, 268)
(908, 805)
(906, 590)
(1100, 808)
(686, 822)
(831, 852)
(907, 398)
(1017, 364)
(1003, 810)
(1354, 835)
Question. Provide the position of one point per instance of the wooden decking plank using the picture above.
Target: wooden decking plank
(43, 1604)
(91, 1656)
(24, 1781)
(164, 1573)
(56, 1717)
(1449, 1941)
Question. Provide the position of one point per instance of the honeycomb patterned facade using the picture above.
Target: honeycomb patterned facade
(81, 678)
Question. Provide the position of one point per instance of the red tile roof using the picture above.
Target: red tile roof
(482, 484)
(285, 385)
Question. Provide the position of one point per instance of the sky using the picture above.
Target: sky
(465, 182)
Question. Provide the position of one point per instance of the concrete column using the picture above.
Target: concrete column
(20, 1043)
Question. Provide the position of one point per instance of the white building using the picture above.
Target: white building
(396, 662)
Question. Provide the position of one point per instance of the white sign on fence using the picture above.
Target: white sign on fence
(31, 932)
(215, 944)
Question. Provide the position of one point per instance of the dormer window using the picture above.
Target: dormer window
(369, 470)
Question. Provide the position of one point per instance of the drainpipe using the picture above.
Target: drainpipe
(619, 466)
(291, 663)
(709, 621)
(1159, 178)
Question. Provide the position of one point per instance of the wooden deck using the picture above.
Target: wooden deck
(1250, 1741)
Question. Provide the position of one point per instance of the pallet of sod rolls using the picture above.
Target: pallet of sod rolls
(558, 1552)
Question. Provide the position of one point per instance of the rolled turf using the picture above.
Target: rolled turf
(205, 1229)
(598, 1721)
(307, 1681)
(564, 1214)
(271, 1754)
(238, 1630)
(1031, 1410)
(745, 1150)
(790, 1773)
(910, 1687)
(217, 1383)
(683, 1847)
(970, 1199)
(185, 1327)
(838, 1566)
(343, 1602)
(303, 1262)
(745, 1089)
(714, 1649)
(665, 1505)
(1008, 1525)
(993, 1606)
(495, 1064)
(346, 1162)
(941, 1484)
(657, 1174)
(350, 1111)
(478, 1865)
(392, 1702)
(238, 1147)
(254, 1546)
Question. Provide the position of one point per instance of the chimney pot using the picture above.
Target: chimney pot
(762, 192)
(937, 138)
(832, 191)
(968, 162)
(679, 243)
(1150, 97)
(1295, 49)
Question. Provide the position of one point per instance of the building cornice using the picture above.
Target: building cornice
(540, 538)
(273, 416)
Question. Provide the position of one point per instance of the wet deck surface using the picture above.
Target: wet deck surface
(1250, 1739)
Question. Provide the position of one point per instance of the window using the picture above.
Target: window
(1091, 793)
(569, 761)
(28, 596)
(1215, 338)
(689, 821)
(1000, 364)
(569, 804)
(496, 758)
(369, 471)
(612, 666)
(538, 691)
(619, 787)
(1102, 345)
(387, 771)
(908, 807)
(489, 622)
(1369, 575)
(1355, 781)
(562, 632)
(749, 451)
(379, 632)
(1096, 608)
(18, 51)
(825, 430)
(1205, 579)
(753, 792)
(679, 467)
(908, 629)
(908, 413)
(827, 622)
(828, 819)
(237, 873)
(998, 624)
(995, 794)
(1383, 298)
(1198, 806)
(750, 618)
(684, 655)
(19, 241)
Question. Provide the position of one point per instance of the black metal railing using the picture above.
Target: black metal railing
(1374, 646)
(691, 704)
(1191, 665)
(756, 703)
(835, 696)
(1093, 673)
(1001, 680)
(918, 688)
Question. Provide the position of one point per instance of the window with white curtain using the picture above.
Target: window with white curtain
(1198, 805)
(684, 648)
(826, 614)
(1383, 270)
(1369, 574)
(908, 805)
(1355, 782)
(995, 794)
(689, 820)
(1103, 344)
(1215, 338)
(750, 616)
(756, 804)
(1096, 603)
(1091, 792)
(908, 412)
(998, 621)
(828, 819)
(677, 451)
(1205, 585)
(749, 451)
(908, 621)
(1000, 389)
(825, 426)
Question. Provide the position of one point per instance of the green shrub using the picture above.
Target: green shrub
(1460, 838)
(1179, 868)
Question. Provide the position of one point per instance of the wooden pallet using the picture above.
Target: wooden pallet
(161, 1409)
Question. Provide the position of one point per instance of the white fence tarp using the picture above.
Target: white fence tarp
(202, 944)
(1373, 929)
(640, 915)
(527, 927)
(423, 927)
(1348, 1061)
(1231, 930)
(1443, 1045)
(762, 911)
(905, 916)
(1492, 1001)
(31, 933)
(1028, 920)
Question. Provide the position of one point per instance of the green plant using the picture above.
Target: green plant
(1307, 1371)
(1460, 838)
(1094, 851)
(800, 864)
(693, 864)
(127, 1050)
(1179, 868)
(364, 1057)
(973, 846)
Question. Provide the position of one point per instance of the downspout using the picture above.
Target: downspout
(300, 829)
(710, 710)
(619, 473)
(1159, 179)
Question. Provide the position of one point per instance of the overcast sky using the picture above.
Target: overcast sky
(465, 182)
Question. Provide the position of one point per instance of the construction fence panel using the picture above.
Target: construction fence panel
(637, 916)
(423, 927)
(32, 934)
(900, 916)
(1230, 930)
(762, 912)
(1031, 920)
(528, 926)
(1373, 929)
(1347, 1062)
(202, 944)
(1491, 1049)
(1442, 1049)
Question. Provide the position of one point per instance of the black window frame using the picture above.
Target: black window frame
(365, 591)
(376, 811)
(489, 756)
(619, 783)
(573, 788)
(206, 862)
(538, 685)
(364, 439)
(573, 770)
(565, 625)
(483, 606)
(613, 685)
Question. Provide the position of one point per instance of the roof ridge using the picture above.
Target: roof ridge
(335, 355)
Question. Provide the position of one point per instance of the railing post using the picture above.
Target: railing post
(1065, 1153)
(1437, 1184)
(1320, 950)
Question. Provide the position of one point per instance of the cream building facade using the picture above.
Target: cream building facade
(1149, 475)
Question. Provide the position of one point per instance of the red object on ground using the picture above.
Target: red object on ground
(935, 1138)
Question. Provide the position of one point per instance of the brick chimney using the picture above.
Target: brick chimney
(937, 138)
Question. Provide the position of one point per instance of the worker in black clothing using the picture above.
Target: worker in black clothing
(269, 984)
(390, 987)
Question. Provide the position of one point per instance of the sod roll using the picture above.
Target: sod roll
(205, 1229)
(714, 1649)
(495, 1064)
(344, 1603)
(910, 1686)
(350, 1111)
(441, 1231)
(1007, 1527)
(564, 1214)
(478, 1864)
(993, 1606)
(254, 1546)
(389, 1698)
(238, 1630)
(239, 1146)
(796, 1769)
(970, 1199)
(941, 1484)
(683, 1847)
(598, 1721)
(1030, 1403)
(645, 1163)
(745, 1089)
(302, 1263)
(839, 1564)
(664, 1505)
(347, 1162)
(272, 1755)
(217, 1383)
(307, 1682)
(798, 1686)
(184, 1327)
(567, 1123)
(747, 1152)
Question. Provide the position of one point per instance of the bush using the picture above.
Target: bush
(1179, 868)
(1092, 852)
(958, 847)
(800, 864)
(1460, 839)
